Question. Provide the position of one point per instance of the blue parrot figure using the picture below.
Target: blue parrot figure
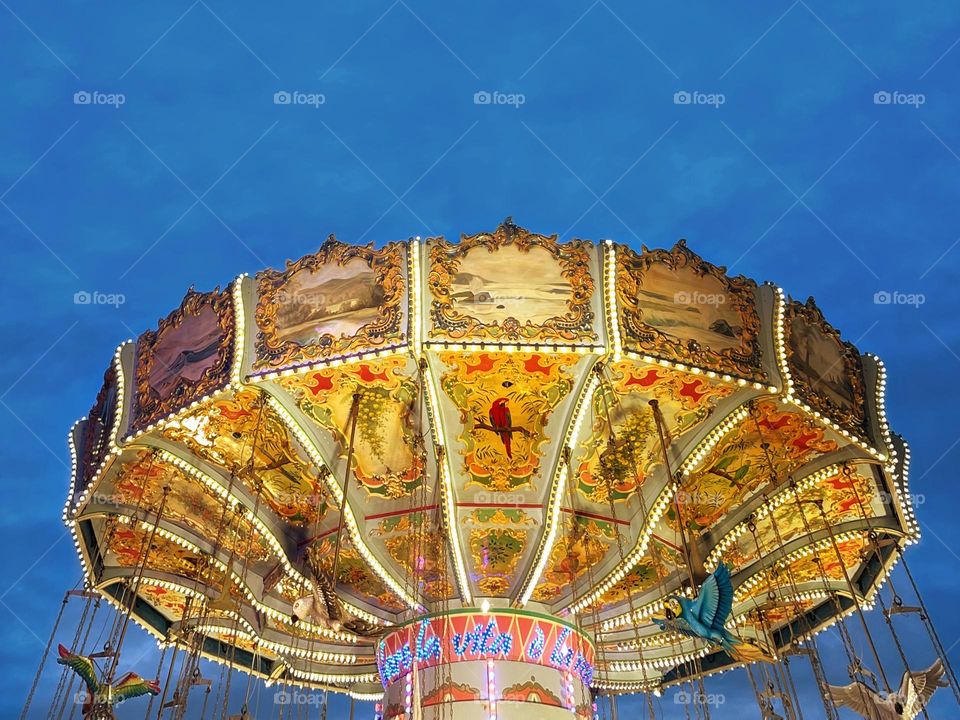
(705, 616)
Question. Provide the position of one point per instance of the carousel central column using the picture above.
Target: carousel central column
(496, 665)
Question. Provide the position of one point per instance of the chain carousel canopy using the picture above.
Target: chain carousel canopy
(588, 428)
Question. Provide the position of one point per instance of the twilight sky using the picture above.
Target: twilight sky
(182, 170)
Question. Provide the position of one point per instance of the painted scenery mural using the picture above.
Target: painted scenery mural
(334, 300)
(191, 351)
(672, 308)
(497, 286)
(826, 371)
(341, 299)
(187, 357)
(674, 304)
(482, 287)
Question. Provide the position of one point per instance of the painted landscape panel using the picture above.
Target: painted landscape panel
(822, 360)
(332, 299)
(525, 285)
(688, 306)
(186, 351)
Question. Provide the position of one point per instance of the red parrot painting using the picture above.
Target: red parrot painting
(501, 423)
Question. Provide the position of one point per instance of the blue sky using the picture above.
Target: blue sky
(798, 176)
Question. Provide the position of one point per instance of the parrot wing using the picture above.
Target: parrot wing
(132, 685)
(715, 601)
(500, 416)
(917, 688)
(82, 666)
(858, 697)
(704, 608)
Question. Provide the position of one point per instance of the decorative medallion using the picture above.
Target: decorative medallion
(496, 552)
(342, 299)
(482, 288)
(186, 358)
(505, 401)
(352, 573)
(410, 539)
(675, 305)
(383, 449)
(531, 692)
(582, 545)
(623, 448)
(449, 692)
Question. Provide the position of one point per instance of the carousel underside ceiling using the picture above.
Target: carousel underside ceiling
(488, 410)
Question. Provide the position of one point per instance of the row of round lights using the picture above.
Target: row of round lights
(791, 494)
(337, 492)
(790, 395)
(558, 488)
(634, 556)
(445, 472)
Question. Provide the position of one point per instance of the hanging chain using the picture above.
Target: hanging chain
(43, 658)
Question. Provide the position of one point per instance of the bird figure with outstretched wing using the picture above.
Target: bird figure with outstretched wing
(501, 423)
(705, 617)
(320, 606)
(100, 697)
(916, 689)
(323, 607)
